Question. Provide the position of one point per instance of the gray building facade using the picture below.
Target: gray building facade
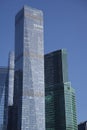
(29, 97)
(60, 104)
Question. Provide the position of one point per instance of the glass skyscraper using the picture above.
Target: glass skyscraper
(11, 79)
(10, 91)
(29, 98)
(59, 95)
(3, 76)
(9, 88)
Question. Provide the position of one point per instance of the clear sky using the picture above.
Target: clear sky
(65, 26)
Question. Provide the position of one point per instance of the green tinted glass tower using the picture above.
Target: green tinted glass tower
(60, 96)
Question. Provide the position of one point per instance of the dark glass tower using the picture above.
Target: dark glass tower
(82, 126)
(3, 76)
(29, 104)
(59, 95)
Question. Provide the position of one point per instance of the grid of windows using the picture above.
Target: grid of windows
(70, 107)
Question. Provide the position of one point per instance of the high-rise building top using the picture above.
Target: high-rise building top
(28, 21)
(57, 67)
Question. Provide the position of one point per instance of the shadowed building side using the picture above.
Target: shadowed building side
(3, 77)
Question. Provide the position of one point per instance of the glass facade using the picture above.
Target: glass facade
(60, 105)
(70, 107)
(29, 98)
(11, 79)
(3, 76)
(9, 88)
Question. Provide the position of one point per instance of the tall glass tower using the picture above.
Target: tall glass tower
(60, 96)
(10, 91)
(29, 104)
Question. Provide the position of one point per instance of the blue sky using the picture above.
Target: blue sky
(65, 26)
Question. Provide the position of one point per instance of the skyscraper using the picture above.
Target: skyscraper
(29, 104)
(10, 91)
(3, 77)
(11, 78)
(9, 88)
(60, 96)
